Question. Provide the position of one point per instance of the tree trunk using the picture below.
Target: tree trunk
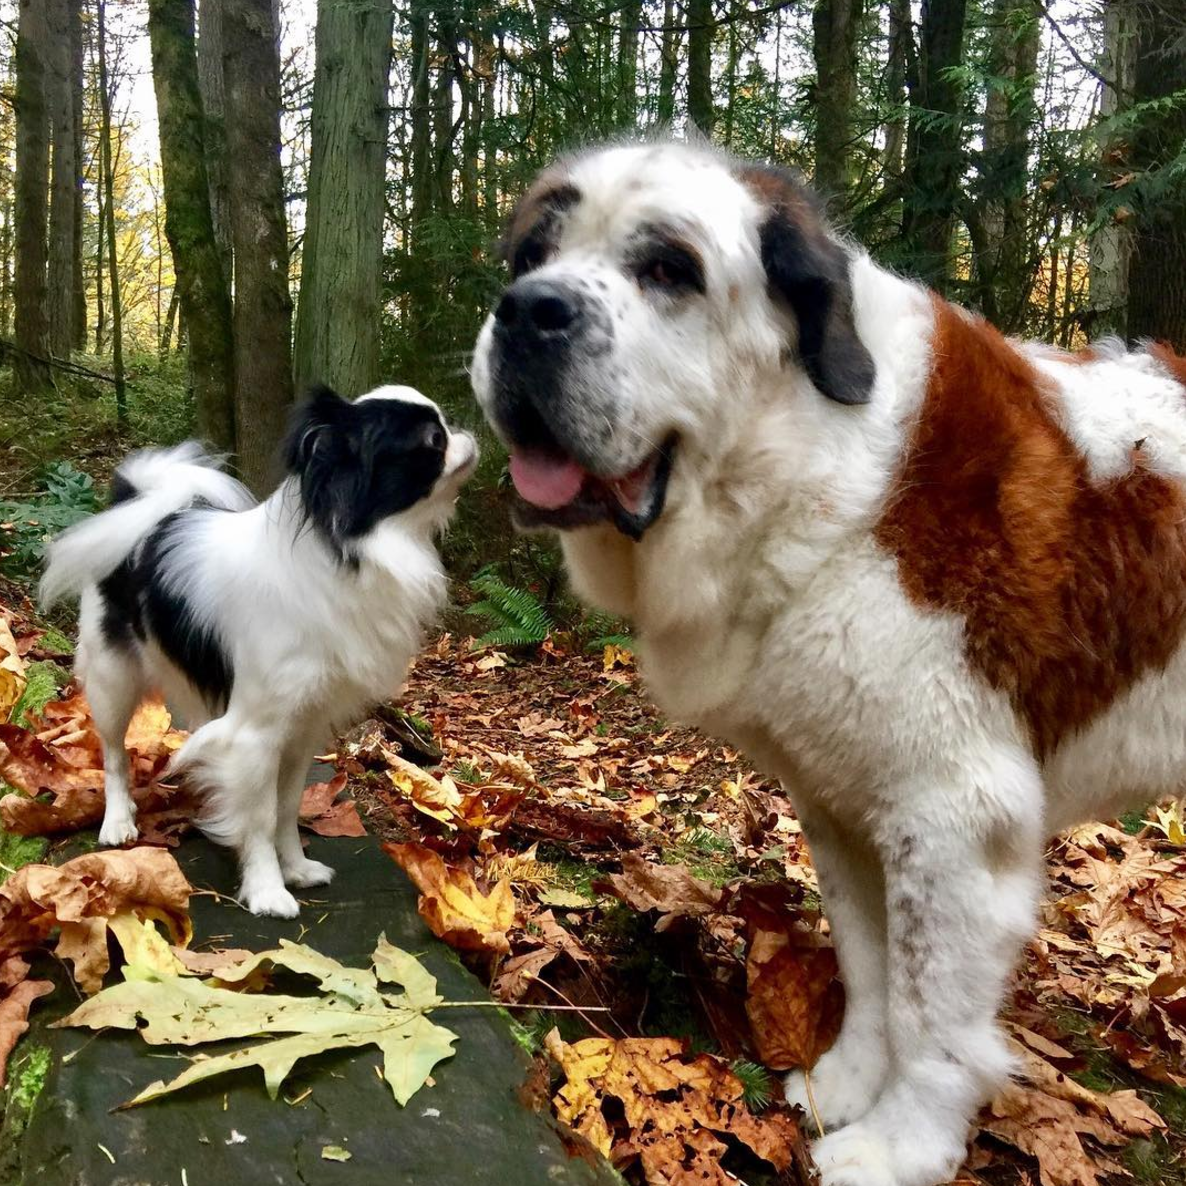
(170, 321)
(421, 117)
(668, 63)
(107, 174)
(934, 158)
(700, 36)
(446, 22)
(1157, 274)
(337, 327)
(1010, 112)
(212, 87)
(901, 45)
(263, 305)
(1111, 244)
(202, 287)
(78, 279)
(64, 194)
(31, 199)
(6, 269)
(834, 45)
(627, 104)
(100, 255)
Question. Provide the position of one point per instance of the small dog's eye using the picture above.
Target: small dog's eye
(436, 438)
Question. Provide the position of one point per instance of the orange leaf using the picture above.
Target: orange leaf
(453, 906)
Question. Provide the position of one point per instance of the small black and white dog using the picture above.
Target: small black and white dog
(266, 624)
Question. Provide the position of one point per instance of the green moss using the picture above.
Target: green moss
(1133, 821)
(16, 851)
(42, 683)
(54, 640)
(29, 1077)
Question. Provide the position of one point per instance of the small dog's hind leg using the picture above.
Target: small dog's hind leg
(114, 687)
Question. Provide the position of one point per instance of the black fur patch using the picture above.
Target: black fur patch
(137, 604)
(188, 642)
(361, 463)
(809, 271)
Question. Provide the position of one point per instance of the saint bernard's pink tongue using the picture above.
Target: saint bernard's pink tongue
(543, 481)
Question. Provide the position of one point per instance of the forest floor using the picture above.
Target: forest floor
(582, 851)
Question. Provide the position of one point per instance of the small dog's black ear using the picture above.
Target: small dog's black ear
(311, 427)
(809, 272)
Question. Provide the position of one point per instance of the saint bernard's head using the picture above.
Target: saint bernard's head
(655, 290)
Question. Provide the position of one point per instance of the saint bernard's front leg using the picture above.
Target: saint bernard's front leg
(962, 859)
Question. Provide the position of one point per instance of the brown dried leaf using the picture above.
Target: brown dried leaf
(674, 1107)
(669, 889)
(15, 1004)
(81, 896)
(321, 812)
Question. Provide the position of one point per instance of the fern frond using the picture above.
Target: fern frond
(520, 617)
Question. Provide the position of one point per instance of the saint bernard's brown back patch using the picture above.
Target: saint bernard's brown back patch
(1070, 590)
(1174, 363)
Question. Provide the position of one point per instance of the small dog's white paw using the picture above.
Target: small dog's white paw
(844, 1089)
(306, 873)
(269, 898)
(854, 1156)
(119, 827)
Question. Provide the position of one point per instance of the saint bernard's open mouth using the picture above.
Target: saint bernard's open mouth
(556, 491)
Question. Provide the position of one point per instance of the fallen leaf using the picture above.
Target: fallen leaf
(353, 1010)
(438, 798)
(674, 1108)
(451, 903)
(670, 889)
(82, 898)
(12, 672)
(19, 993)
(1047, 1115)
(322, 813)
(335, 1153)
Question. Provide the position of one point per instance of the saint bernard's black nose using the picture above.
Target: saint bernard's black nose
(537, 310)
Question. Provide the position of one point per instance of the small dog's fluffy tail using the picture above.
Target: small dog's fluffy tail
(148, 487)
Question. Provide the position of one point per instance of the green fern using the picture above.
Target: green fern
(601, 630)
(519, 617)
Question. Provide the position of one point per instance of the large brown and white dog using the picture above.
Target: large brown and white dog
(933, 579)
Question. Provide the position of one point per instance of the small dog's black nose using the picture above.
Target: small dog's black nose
(537, 308)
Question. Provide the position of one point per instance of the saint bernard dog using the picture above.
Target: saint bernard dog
(931, 578)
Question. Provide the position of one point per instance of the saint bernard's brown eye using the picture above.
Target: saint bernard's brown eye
(670, 269)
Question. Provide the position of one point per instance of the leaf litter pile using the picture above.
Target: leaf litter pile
(580, 852)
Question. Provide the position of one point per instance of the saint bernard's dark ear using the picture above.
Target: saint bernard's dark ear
(809, 272)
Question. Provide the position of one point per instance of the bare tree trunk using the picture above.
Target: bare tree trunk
(901, 44)
(107, 172)
(700, 36)
(6, 269)
(31, 199)
(212, 87)
(1157, 273)
(263, 306)
(443, 130)
(627, 105)
(203, 289)
(834, 46)
(1010, 111)
(64, 195)
(100, 256)
(1111, 245)
(934, 156)
(668, 63)
(337, 327)
(170, 321)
